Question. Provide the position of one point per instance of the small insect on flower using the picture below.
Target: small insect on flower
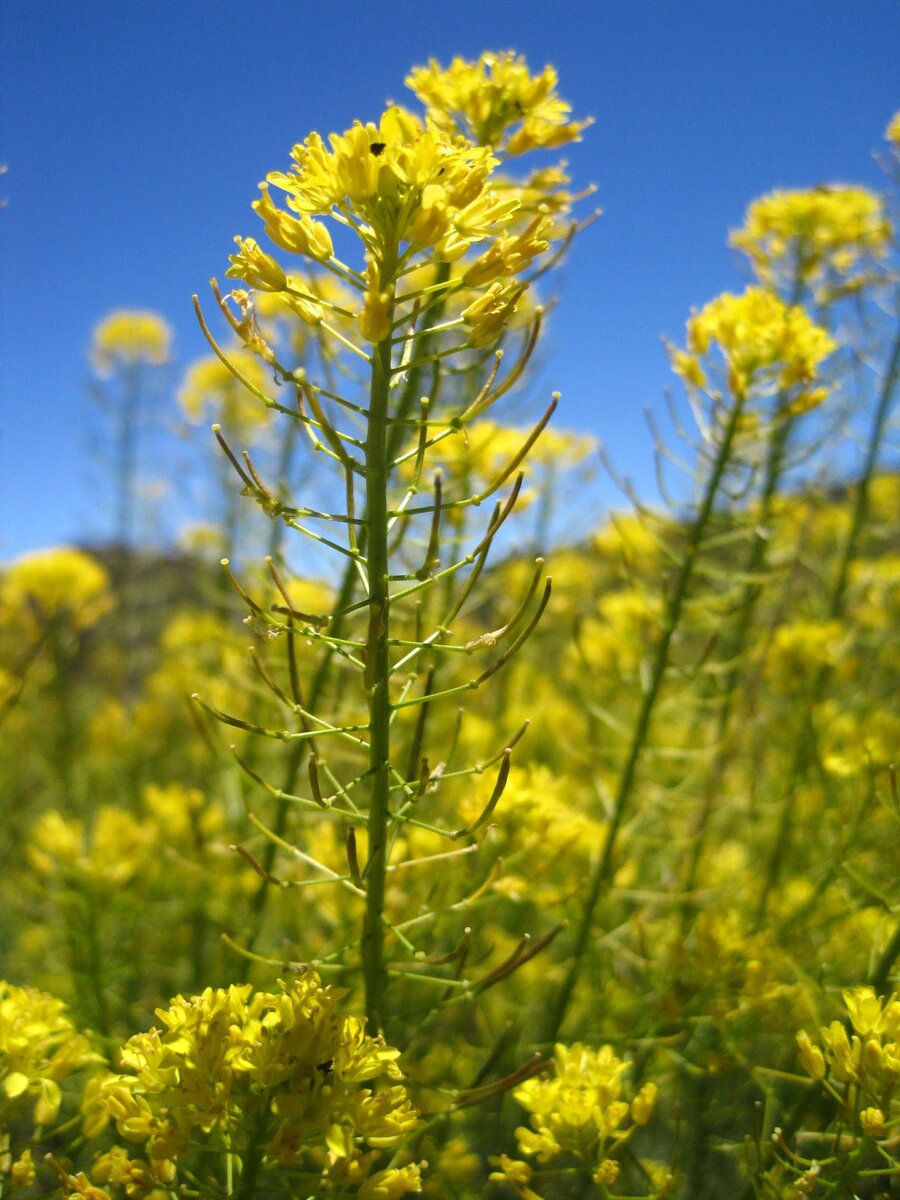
(327, 1069)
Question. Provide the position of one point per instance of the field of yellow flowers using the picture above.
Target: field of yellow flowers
(387, 857)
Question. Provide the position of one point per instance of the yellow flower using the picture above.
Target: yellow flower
(488, 315)
(814, 231)
(299, 235)
(57, 585)
(607, 1172)
(892, 133)
(23, 1172)
(209, 385)
(127, 338)
(811, 1056)
(872, 1122)
(497, 102)
(688, 367)
(39, 1048)
(138, 1179)
(255, 267)
(762, 340)
(869, 1014)
(516, 1173)
(509, 253)
(391, 1183)
(580, 1108)
(248, 1068)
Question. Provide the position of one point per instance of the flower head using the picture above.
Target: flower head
(39, 1048)
(496, 101)
(278, 1069)
(401, 181)
(763, 341)
(61, 584)
(128, 337)
(809, 233)
(581, 1109)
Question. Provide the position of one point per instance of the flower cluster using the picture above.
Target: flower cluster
(803, 235)
(800, 649)
(39, 1048)
(579, 1111)
(272, 1078)
(762, 340)
(60, 585)
(861, 1068)
(419, 192)
(119, 849)
(496, 101)
(405, 182)
(209, 385)
(127, 338)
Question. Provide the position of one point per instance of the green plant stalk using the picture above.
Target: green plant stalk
(750, 594)
(126, 463)
(94, 966)
(252, 1165)
(603, 870)
(346, 592)
(806, 740)
(861, 506)
(377, 678)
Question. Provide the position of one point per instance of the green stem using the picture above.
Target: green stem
(252, 1164)
(806, 740)
(880, 973)
(407, 401)
(377, 677)
(602, 872)
(95, 966)
(734, 649)
(861, 506)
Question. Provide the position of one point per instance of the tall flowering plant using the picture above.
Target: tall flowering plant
(409, 254)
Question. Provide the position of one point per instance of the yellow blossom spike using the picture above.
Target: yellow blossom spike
(807, 233)
(763, 341)
(127, 337)
(496, 101)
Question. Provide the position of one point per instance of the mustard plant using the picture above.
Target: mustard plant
(431, 249)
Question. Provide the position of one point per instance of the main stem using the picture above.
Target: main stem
(377, 679)
(602, 873)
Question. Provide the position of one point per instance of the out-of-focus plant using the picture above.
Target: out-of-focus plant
(130, 354)
(741, 350)
(41, 1053)
(49, 602)
(128, 350)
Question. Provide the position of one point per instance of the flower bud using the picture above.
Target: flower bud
(872, 1122)
(255, 267)
(811, 1057)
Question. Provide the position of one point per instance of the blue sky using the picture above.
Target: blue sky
(136, 131)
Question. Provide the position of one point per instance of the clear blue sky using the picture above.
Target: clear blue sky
(136, 132)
